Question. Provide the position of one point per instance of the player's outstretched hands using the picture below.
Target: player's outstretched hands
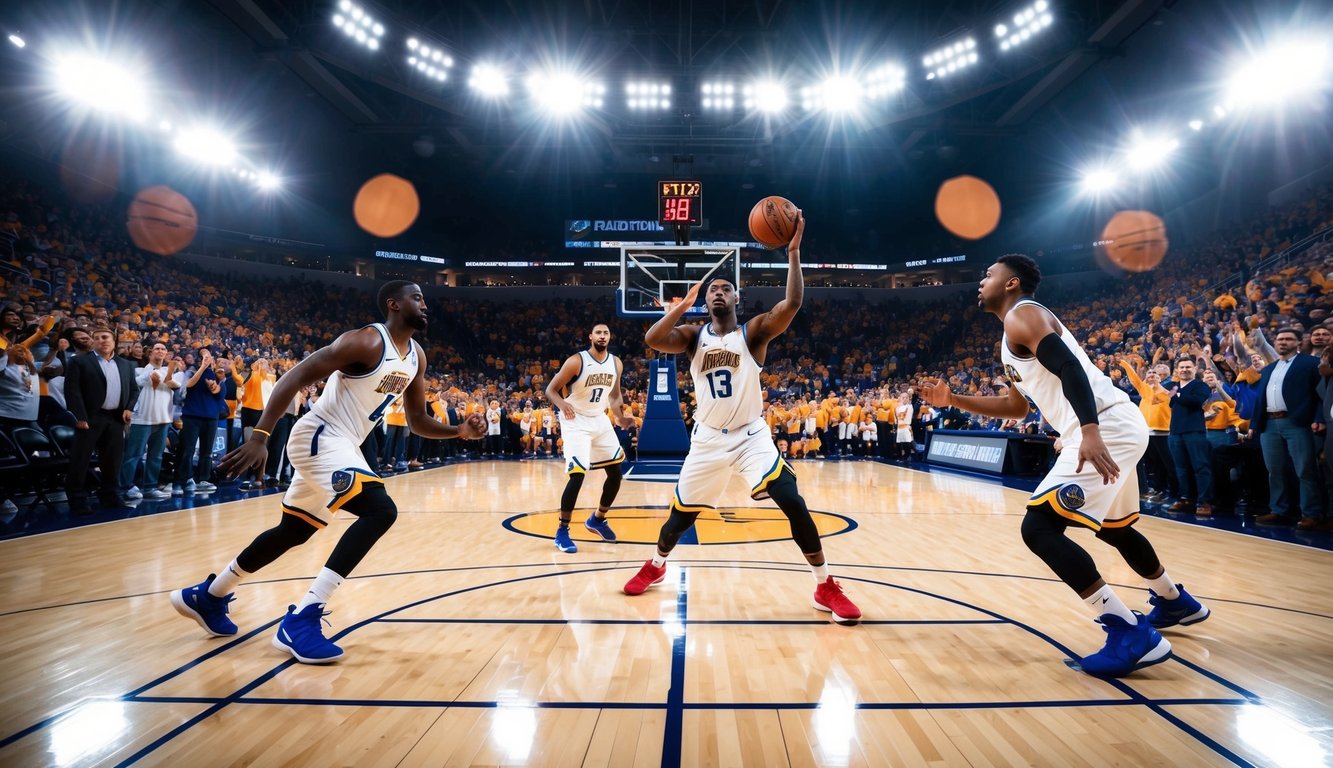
(795, 245)
(249, 455)
(473, 427)
(937, 393)
(1093, 450)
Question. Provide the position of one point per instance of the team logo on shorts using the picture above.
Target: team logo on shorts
(1071, 496)
(342, 480)
(570, 468)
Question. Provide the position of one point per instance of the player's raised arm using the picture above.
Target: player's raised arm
(764, 328)
(567, 373)
(664, 336)
(1011, 406)
(354, 350)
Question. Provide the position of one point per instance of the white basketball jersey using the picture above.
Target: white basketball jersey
(352, 405)
(726, 380)
(1045, 389)
(590, 391)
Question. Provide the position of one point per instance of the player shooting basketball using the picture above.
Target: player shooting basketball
(730, 434)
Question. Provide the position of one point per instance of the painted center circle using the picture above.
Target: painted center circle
(640, 525)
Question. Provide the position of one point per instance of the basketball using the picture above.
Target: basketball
(773, 221)
(968, 207)
(386, 205)
(161, 220)
(1135, 241)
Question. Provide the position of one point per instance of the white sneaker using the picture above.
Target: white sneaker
(204, 486)
(190, 486)
(157, 493)
(9, 508)
(134, 493)
(177, 490)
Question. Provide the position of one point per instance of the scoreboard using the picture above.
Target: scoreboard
(680, 202)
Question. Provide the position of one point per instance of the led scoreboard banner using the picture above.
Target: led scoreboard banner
(680, 202)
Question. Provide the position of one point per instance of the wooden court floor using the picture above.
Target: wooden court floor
(471, 641)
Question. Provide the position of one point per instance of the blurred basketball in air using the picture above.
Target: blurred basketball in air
(968, 207)
(386, 205)
(773, 221)
(1135, 241)
(161, 220)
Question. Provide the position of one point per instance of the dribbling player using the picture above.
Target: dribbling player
(1102, 431)
(730, 434)
(581, 391)
(368, 370)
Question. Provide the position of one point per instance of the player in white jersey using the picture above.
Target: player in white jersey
(581, 391)
(1101, 431)
(367, 370)
(730, 435)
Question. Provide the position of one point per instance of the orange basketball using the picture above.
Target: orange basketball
(386, 205)
(773, 221)
(967, 207)
(1135, 240)
(161, 220)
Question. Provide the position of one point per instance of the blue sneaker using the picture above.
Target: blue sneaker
(211, 612)
(300, 635)
(1184, 610)
(562, 540)
(599, 526)
(1128, 647)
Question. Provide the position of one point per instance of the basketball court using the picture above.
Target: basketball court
(471, 641)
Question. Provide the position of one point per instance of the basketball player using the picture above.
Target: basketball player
(368, 370)
(1102, 431)
(581, 391)
(730, 434)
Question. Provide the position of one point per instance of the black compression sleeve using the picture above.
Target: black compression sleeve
(1060, 360)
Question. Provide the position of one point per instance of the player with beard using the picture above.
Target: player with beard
(1102, 431)
(730, 435)
(367, 370)
(581, 391)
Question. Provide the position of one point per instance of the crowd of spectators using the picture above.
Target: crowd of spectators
(183, 353)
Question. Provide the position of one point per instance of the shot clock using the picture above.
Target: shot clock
(680, 202)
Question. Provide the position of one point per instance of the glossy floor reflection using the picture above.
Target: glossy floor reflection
(471, 641)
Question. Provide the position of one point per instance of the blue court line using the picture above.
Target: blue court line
(675, 711)
(1134, 696)
(715, 622)
(870, 706)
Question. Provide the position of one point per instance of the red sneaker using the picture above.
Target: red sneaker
(647, 576)
(829, 597)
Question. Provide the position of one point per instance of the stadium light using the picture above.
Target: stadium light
(647, 95)
(768, 96)
(18, 41)
(1027, 23)
(1148, 152)
(358, 25)
(1280, 73)
(1098, 181)
(268, 181)
(489, 80)
(563, 93)
(887, 79)
(102, 85)
(951, 58)
(206, 145)
(1196, 125)
(719, 95)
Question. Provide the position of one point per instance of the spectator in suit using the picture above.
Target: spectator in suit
(101, 391)
(1326, 409)
(1286, 417)
(1190, 452)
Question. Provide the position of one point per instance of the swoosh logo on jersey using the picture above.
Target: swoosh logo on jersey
(752, 434)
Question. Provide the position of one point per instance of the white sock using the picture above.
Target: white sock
(225, 582)
(659, 560)
(322, 588)
(820, 572)
(1105, 601)
(1164, 586)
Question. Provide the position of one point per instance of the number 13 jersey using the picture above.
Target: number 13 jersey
(726, 380)
(352, 405)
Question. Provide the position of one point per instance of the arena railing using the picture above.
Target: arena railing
(1270, 264)
(22, 276)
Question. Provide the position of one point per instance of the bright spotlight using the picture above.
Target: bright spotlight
(267, 181)
(1149, 152)
(206, 145)
(563, 93)
(102, 85)
(1098, 180)
(766, 96)
(165, 125)
(839, 94)
(489, 80)
(1196, 125)
(1279, 74)
(18, 41)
